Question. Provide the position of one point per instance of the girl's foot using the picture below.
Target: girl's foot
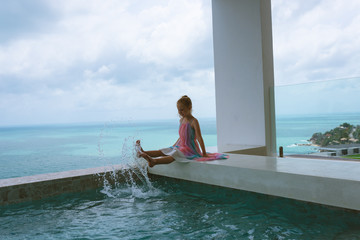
(140, 153)
(148, 158)
(138, 149)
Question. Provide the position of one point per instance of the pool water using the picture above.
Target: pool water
(173, 209)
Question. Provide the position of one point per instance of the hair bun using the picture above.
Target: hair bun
(186, 101)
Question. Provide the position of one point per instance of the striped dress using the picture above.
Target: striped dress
(187, 148)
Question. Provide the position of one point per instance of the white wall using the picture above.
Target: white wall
(242, 53)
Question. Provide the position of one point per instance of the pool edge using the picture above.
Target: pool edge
(36, 187)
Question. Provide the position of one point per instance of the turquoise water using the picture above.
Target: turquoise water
(30, 150)
(33, 150)
(171, 209)
(160, 209)
(298, 129)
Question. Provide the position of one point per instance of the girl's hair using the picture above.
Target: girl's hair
(186, 101)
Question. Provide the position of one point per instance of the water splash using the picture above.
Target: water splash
(131, 177)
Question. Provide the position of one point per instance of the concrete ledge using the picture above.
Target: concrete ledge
(16, 190)
(333, 183)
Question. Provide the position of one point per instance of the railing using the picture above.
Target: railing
(308, 108)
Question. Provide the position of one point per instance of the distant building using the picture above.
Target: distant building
(340, 150)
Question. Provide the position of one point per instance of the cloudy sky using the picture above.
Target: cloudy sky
(97, 61)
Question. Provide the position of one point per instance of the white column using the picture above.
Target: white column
(244, 78)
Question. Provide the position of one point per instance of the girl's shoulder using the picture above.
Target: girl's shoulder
(194, 122)
(191, 121)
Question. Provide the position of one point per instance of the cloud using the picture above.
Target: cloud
(102, 99)
(315, 40)
(170, 34)
(111, 57)
(20, 18)
(92, 60)
(165, 34)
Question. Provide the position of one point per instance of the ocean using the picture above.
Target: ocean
(292, 130)
(29, 150)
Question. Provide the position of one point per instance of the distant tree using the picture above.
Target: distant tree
(337, 135)
(356, 133)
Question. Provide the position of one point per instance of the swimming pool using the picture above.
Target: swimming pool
(172, 209)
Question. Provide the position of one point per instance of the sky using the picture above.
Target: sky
(98, 61)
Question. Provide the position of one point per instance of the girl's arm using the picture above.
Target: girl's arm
(198, 136)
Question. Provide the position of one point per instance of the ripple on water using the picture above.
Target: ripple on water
(171, 209)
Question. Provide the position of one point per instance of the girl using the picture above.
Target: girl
(186, 147)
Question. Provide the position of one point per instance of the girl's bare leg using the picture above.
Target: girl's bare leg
(155, 153)
(148, 156)
(159, 160)
(164, 160)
